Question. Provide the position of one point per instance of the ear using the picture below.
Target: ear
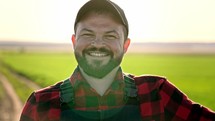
(73, 40)
(126, 44)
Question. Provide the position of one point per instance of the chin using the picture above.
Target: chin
(98, 70)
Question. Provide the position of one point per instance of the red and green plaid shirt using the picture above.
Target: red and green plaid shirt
(159, 100)
(78, 91)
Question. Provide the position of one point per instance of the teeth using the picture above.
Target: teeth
(98, 54)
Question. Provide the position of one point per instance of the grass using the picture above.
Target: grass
(44, 69)
(193, 74)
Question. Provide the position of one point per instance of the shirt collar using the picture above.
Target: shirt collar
(77, 78)
(68, 86)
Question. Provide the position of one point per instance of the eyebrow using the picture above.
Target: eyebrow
(87, 30)
(107, 32)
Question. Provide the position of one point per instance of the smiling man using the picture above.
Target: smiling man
(99, 44)
(98, 90)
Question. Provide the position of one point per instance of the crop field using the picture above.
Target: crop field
(192, 74)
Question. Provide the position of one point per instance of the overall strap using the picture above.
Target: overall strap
(66, 95)
(130, 89)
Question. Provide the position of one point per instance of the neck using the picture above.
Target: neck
(100, 84)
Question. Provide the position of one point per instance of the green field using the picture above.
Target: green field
(193, 74)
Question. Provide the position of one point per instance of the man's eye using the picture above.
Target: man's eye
(87, 35)
(110, 37)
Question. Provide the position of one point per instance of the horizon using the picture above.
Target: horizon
(132, 42)
(149, 48)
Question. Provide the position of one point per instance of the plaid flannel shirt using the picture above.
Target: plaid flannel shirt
(76, 93)
(159, 101)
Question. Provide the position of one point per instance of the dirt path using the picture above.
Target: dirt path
(11, 105)
(6, 105)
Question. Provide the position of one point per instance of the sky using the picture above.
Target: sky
(149, 20)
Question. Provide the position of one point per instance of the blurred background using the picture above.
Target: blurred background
(175, 39)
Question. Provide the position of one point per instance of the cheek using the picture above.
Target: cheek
(117, 50)
(81, 45)
(79, 49)
(117, 46)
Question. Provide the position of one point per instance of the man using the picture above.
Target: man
(98, 90)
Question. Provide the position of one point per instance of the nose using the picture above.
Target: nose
(98, 43)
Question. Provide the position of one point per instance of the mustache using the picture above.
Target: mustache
(103, 49)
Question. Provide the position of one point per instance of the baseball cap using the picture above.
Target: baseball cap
(102, 5)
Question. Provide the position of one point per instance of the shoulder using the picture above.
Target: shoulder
(151, 84)
(148, 83)
(148, 79)
(51, 88)
(48, 93)
(43, 104)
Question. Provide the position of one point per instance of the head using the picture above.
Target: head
(101, 37)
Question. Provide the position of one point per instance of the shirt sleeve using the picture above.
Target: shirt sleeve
(177, 106)
(29, 112)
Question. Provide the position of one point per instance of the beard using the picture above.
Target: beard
(96, 68)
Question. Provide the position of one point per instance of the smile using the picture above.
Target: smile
(97, 54)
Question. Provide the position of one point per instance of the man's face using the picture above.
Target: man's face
(99, 44)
